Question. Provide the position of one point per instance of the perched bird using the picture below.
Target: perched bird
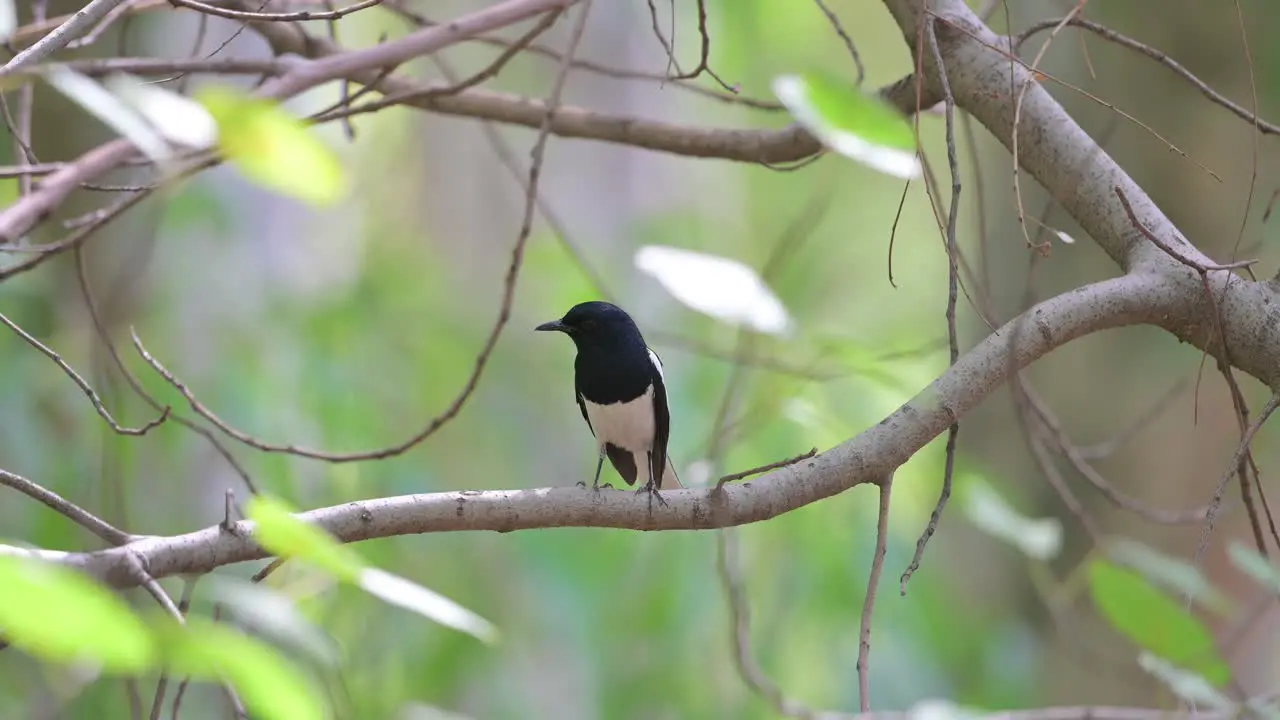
(619, 386)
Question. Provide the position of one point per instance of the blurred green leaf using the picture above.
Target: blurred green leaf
(1169, 572)
(281, 533)
(1154, 621)
(859, 126)
(427, 603)
(1039, 539)
(1255, 565)
(273, 147)
(274, 615)
(1187, 685)
(60, 615)
(269, 685)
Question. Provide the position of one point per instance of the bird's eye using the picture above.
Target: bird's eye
(588, 325)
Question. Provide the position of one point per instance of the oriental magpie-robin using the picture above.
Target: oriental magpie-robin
(619, 386)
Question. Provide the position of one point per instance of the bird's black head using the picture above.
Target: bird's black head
(597, 325)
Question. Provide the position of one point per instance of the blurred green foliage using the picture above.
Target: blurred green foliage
(354, 327)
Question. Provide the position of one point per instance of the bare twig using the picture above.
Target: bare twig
(104, 336)
(70, 510)
(953, 278)
(299, 16)
(1108, 447)
(542, 51)
(122, 10)
(1160, 57)
(84, 386)
(766, 468)
(1017, 116)
(75, 26)
(869, 601)
(423, 93)
(486, 350)
(848, 41)
(727, 565)
(1241, 451)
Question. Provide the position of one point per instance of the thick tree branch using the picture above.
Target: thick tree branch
(867, 458)
(1082, 178)
(366, 67)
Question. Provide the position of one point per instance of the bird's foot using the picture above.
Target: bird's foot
(653, 493)
(582, 484)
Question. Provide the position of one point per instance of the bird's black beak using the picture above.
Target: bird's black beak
(555, 325)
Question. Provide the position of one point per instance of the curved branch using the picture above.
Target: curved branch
(1082, 178)
(867, 458)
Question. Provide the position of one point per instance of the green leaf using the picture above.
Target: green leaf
(269, 685)
(1174, 574)
(427, 603)
(844, 119)
(1255, 566)
(273, 147)
(60, 615)
(1187, 685)
(275, 616)
(1039, 539)
(1154, 621)
(281, 533)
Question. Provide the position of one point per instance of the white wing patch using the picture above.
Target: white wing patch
(653, 357)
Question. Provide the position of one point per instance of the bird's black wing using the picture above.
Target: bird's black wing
(661, 423)
(577, 395)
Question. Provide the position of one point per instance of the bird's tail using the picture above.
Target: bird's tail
(670, 481)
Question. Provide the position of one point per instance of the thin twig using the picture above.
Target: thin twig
(727, 565)
(848, 41)
(1160, 57)
(952, 283)
(1196, 265)
(616, 73)
(300, 16)
(104, 337)
(1236, 459)
(869, 601)
(509, 284)
(70, 510)
(766, 468)
(1017, 117)
(75, 26)
(1108, 447)
(1117, 497)
(84, 386)
(122, 10)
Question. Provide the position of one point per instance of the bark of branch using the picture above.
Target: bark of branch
(985, 78)
(867, 458)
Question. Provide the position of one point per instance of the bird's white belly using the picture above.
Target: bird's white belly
(628, 425)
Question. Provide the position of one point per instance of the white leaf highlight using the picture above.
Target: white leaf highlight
(179, 119)
(722, 288)
(430, 604)
(1037, 538)
(110, 109)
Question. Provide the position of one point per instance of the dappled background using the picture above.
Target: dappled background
(348, 328)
